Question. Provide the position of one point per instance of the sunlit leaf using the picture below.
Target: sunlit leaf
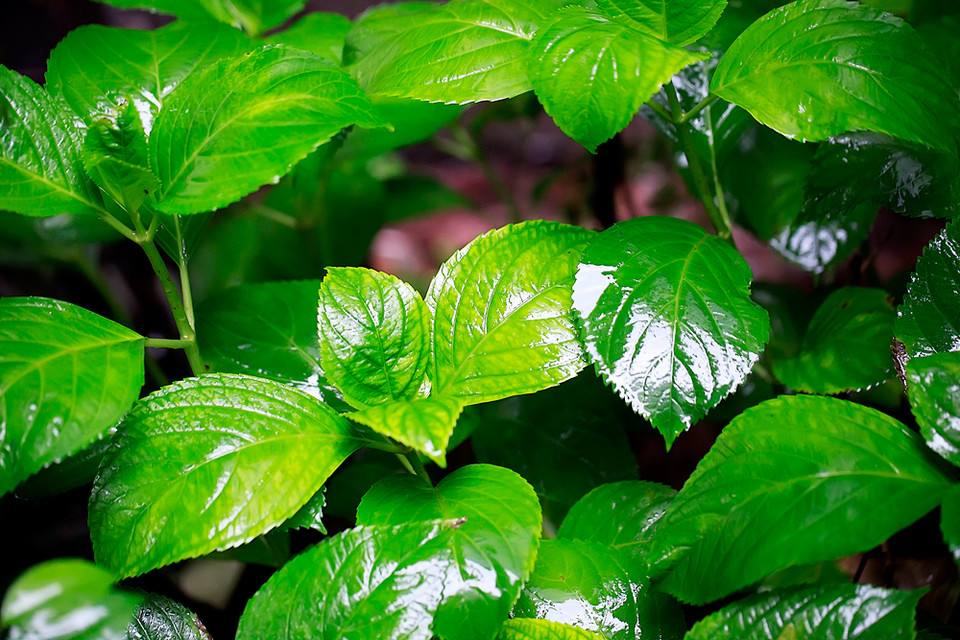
(676, 21)
(425, 424)
(160, 618)
(532, 629)
(320, 33)
(934, 391)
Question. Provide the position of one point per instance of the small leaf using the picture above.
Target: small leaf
(780, 488)
(679, 22)
(492, 551)
(592, 74)
(425, 424)
(322, 34)
(502, 319)
(849, 611)
(310, 515)
(846, 346)
(934, 392)
(210, 463)
(160, 618)
(817, 68)
(950, 522)
(253, 15)
(531, 629)
(374, 336)
(667, 318)
(928, 321)
(66, 376)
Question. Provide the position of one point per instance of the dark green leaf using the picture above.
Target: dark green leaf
(780, 488)
(848, 611)
(493, 551)
(817, 68)
(413, 121)
(940, 36)
(531, 629)
(667, 318)
(252, 15)
(950, 522)
(322, 34)
(160, 618)
(425, 424)
(210, 463)
(66, 376)
(413, 195)
(934, 391)
(816, 241)
(502, 319)
(676, 21)
(272, 549)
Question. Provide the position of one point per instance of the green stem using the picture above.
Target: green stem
(279, 217)
(165, 343)
(490, 172)
(123, 229)
(184, 273)
(412, 463)
(717, 185)
(697, 108)
(660, 111)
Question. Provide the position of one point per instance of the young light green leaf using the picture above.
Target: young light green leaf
(817, 68)
(928, 321)
(210, 463)
(846, 346)
(41, 173)
(374, 336)
(678, 22)
(532, 629)
(592, 74)
(425, 424)
(259, 114)
(66, 600)
(492, 551)
(667, 318)
(252, 15)
(66, 376)
(160, 618)
(502, 319)
(950, 522)
(322, 34)
(849, 611)
(934, 392)
(780, 487)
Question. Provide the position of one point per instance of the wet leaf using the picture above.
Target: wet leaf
(502, 319)
(322, 34)
(66, 376)
(310, 515)
(531, 629)
(374, 336)
(934, 392)
(679, 22)
(210, 463)
(253, 15)
(817, 68)
(425, 424)
(667, 318)
(780, 488)
(818, 242)
(846, 345)
(160, 618)
(849, 611)
(492, 551)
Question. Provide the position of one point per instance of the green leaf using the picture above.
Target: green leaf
(667, 318)
(66, 376)
(322, 34)
(412, 195)
(817, 241)
(817, 68)
(260, 113)
(66, 599)
(934, 394)
(780, 488)
(846, 346)
(592, 74)
(425, 424)
(367, 582)
(41, 173)
(374, 336)
(160, 618)
(502, 320)
(252, 15)
(849, 611)
(492, 552)
(210, 463)
(928, 321)
(950, 522)
(310, 515)
(413, 121)
(679, 22)
(530, 629)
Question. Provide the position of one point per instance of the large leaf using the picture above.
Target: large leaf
(667, 318)
(246, 121)
(532, 629)
(780, 488)
(252, 15)
(160, 618)
(846, 346)
(848, 611)
(210, 463)
(66, 376)
(41, 173)
(592, 74)
(493, 551)
(817, 68)
(928, 321)
(934, 392)
(425, 424)
(679, 22)
(502, 319)
(374, 336)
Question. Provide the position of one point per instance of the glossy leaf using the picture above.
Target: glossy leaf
(667, 318)
(493, 550)
(322, 34)
(69, 600)
(817, 241)
(532, 629)
(934, 392)
(253, 15)
(678, 22)
(846, 345)
(502, 319)
(928, 321)
(374, 336)
(817, 68)
(260, 113)
(310, 515)
(160, 618)
(210, 463)
(425, 424)
(41, 173)
(66, 376)
(592, 74)
(950, 522)
(848, 611)
(780, 488)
